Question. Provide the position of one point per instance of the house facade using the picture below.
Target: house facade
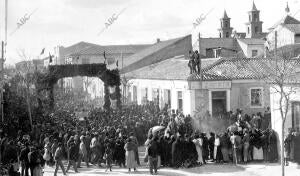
(225, 86)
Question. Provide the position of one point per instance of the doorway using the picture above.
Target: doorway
(218, 103)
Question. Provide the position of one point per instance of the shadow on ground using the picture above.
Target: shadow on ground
(215, 168)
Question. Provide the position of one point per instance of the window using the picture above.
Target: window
(217, 52)
(256, 29)
(249, 19)
(220, 35)
(210, 52)
(68, 60)
(255, 17)
(218, 103)
(254, 53)
(144, 95)
(227, 34)
(179, 100)
(256, 97)
(248, 30)
(295, 115)
(221, 24)
(226, 24)
(134, 93)
(297, 38)
(167, 97)
(155, 96)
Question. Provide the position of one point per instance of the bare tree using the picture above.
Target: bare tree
(279, 71)
(26, 73)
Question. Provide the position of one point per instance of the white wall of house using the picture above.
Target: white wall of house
(275, 111)
(284, 37)
(248, 48)
(173, 85)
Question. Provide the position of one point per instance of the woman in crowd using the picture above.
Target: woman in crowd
(198, 143)
(130, 148)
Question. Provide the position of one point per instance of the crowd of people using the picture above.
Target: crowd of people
(112, 138)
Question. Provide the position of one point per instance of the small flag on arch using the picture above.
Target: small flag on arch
(50, 58)
(104, 57)
(43, 51)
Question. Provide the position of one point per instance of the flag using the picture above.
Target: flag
(43, 50)
(104, 57)
(50, 58)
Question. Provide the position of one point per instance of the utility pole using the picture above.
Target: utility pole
(200, 72)
(2, 79)
(3, 54)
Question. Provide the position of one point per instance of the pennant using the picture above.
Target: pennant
(43, 50)
(50, 58)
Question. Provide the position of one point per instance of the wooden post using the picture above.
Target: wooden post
(200, 72)
(2, 79)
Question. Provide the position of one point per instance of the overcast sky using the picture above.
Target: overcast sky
(66, 22)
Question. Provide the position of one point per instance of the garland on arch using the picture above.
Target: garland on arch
(47, 80)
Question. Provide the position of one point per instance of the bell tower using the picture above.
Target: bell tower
(225, 31)
(254, 26)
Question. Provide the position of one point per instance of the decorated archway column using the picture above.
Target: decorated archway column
(118, 94)
(51, 96)
(106, 97)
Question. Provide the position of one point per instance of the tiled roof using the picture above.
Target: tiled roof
(286, 20)
(112, 49)
(160, 51)
(293, 27)
(171, 69)
(243, 68)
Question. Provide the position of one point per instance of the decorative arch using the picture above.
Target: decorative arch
(46, 81)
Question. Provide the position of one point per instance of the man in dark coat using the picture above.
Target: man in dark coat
(72, 156)
(205, 150)
(24, 159)
(120, 152)
(10, 153)
(153, 149)
(211, 144)
(176, 153)
(273, 152)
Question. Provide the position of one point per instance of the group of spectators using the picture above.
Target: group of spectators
(242, 142)
(107, 138)
(101, 137)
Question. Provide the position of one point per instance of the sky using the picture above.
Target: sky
(66, 22)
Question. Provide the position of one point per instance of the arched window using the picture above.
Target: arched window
(226, 24)
(248, 30)
(255, 17)
(249, 17)
(220, 35)
(227, 34)
(256, 29)
(221, 24)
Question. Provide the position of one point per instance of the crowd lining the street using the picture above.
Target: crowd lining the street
(112, 138)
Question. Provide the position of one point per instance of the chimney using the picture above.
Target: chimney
(157, 40)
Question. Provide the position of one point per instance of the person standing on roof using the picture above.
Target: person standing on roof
(197, 62)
